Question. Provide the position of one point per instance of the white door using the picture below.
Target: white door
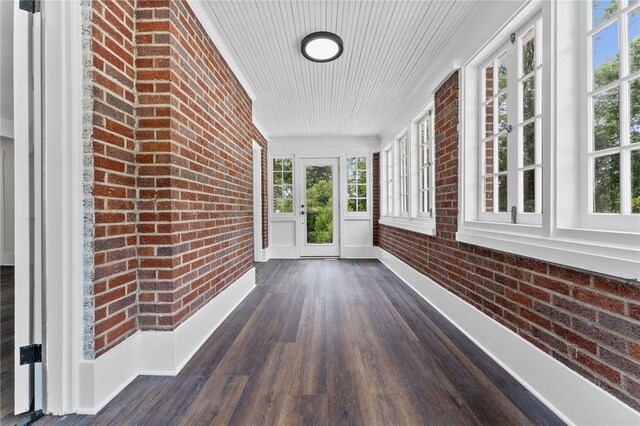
(319, 216)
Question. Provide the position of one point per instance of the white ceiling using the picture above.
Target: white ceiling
(390, 47)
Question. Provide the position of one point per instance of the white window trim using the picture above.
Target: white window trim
(271, 198)
(560, 239)
(411, 220)
(427, 113)
(403, 136)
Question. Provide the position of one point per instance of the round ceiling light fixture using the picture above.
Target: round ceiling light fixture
(322, 46)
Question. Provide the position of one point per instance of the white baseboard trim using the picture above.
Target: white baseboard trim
(359, 253)
(282, 253)
(162, 353)
(573, 398)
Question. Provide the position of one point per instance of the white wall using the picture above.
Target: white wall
(356, 231)
(6, 201)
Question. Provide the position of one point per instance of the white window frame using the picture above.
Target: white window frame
(387, 180)
(271, 185)
(411, 219)
(367, 198)
(562, 236)
(623, 221)
(424, 166)
(404, 201)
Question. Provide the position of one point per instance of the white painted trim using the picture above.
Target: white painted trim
(199, 9)
(573, 398)
(6, 128)
(62, 192)
(156, 352)
(359, 252)
(420, 225)
(256, 160)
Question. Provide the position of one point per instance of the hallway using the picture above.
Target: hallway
(329, 342)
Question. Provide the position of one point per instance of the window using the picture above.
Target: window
(425, 165)
(614, 108)
(357, 184)
(282, 185)
(411, 197)
(389, 179)
(404, 175)
(510, 131)
(564, 163)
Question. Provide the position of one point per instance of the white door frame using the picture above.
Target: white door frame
(258, 252)
(22, 69)
(63, 234)
(332, 250)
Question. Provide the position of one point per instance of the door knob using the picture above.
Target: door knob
(301, 211)
(302, 206)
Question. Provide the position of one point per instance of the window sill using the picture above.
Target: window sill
(567, 247)
(422, 226)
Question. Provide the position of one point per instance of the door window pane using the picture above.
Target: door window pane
(319, 207)
(282, 185)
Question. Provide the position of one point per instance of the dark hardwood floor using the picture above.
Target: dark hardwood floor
(329, 342)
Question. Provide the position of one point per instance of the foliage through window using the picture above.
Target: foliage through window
(614, 102)
(357, 184)
(511, 126)
(319, 187)
(282, 185)
(389, 179)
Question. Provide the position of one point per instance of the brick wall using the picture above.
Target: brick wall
(589, 322)
(173, 169)
(114, 175)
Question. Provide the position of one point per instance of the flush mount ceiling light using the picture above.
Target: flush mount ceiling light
(321, 46)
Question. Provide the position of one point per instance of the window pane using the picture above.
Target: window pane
(635, 181)
(606, 189)
(502, 193)
(351, 205)
(277, 164)
(319, 208)
(634, 110)
(362, 177)
(352, 191)
(287, 178)
(277, 192)
(502, 112)
(488, 157)
(528, 98)
(361, 163)
(362, 205)
(278, 205)
(528, 52)
(277, 178)
(362, 191)
(488, 119)
(488, 194)
(606, 119)
(601, 10)
(488, 81)
(502, 153)
(605, 56)
(529, 144)
(287, 164)
(634, 41)
(502, 71)
(529, 191)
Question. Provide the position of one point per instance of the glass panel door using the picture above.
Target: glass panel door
(319, 217)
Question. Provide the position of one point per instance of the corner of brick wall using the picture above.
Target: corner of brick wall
(172, 154)
(589, 322)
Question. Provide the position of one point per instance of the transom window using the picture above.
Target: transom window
(282, 185)
(614, 107)
(357, 184)
(511, 129)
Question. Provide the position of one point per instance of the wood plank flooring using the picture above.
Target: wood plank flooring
(329, 342)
